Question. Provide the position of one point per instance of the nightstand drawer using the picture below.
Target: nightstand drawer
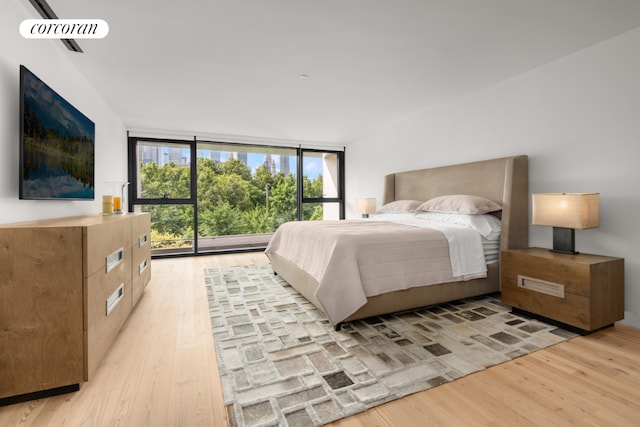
(585, 291)
(541, 286)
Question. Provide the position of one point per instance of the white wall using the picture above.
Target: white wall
(50, 63)
(577, 118)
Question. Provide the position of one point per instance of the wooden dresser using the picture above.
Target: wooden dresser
(67, 285)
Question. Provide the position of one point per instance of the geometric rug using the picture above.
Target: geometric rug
(282, 363)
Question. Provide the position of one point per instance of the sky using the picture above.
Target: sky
(312, 164)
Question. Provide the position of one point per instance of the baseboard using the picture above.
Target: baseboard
(553, 322)
(39, 394)
(631, 319)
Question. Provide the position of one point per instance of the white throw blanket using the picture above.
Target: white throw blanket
(465, 246)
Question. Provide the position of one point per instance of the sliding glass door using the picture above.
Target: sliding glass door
(232, 196)
(244, 193)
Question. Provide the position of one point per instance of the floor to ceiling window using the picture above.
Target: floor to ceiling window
(232, 196)
(322, 185)
(243, 193)
(162, 184)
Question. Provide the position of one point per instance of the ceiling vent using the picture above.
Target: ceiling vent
(46, 12)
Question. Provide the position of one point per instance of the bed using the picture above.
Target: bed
(330, 281)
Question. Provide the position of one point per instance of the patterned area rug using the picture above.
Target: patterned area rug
(281, 362)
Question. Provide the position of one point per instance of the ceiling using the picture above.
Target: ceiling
(206, 67)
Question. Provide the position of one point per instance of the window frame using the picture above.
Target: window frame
(341, 184)
(134, 199)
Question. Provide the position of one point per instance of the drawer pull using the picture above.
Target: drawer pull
(541, 286)
(143, 266)
(143, 240)
(114, 259)
(115, 298)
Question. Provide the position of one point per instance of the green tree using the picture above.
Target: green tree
(258, 220)
(233, 190)
(261, 179)
(170, 181)
(171, 219)
(317, 213)
(207, 171)
(312, 188)
(283, 200)
(223, 220)
(231, 200)
(264, 177)
(235, 166)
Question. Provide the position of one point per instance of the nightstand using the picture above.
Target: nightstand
(583, 291)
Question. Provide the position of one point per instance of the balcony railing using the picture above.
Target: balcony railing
(214, 244)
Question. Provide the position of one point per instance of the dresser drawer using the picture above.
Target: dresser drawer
(141, 258)
(108, 303)
(140, 228)
(140, 273)
(104, 243)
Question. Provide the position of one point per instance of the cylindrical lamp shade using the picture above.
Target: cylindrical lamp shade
(366, 206)
(567, 210)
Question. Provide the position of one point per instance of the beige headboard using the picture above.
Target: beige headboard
(504, 180)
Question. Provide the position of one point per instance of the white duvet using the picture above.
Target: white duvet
(355, 259)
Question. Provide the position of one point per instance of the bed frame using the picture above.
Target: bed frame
(503, 180)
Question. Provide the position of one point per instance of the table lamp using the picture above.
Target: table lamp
(366, 206)
(565, 212)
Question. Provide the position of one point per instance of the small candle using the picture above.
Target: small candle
(107, 204)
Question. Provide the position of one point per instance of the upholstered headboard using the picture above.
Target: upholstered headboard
(504, 180)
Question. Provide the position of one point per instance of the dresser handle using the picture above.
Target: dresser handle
(143, 240)
(143, 266)
(114, 259)
(115, 298)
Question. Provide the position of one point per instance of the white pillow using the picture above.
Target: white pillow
(460, 203)
(392, 216)
(401, 206)
(489, 226)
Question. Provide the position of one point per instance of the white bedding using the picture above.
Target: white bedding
(465, 244)
(355, 259)
(489, 226)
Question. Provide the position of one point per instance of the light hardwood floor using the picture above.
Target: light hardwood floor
(162, 371)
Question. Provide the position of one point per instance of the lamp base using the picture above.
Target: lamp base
(564, 241)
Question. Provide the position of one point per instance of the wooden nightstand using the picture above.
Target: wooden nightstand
(583, 291)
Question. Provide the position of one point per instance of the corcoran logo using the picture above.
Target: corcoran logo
(64, 28)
